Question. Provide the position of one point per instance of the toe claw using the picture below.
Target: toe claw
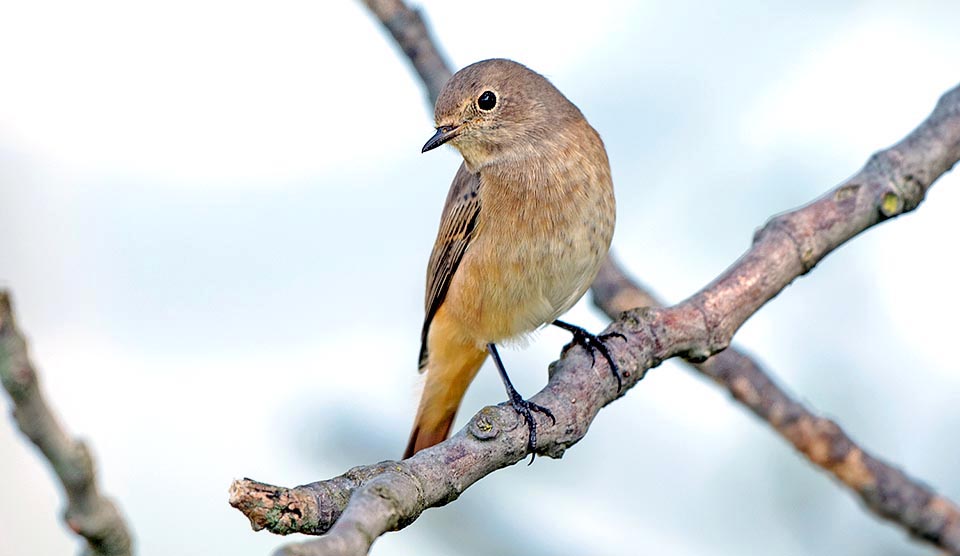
(526, 409)
(594, 344)
(608, 335)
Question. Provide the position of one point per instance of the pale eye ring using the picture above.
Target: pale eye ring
(487, 101)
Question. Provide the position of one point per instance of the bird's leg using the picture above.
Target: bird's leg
(522, 406)
(592, 344)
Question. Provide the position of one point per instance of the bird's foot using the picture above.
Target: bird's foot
(525, 409)
(522, 406)
(593, 344)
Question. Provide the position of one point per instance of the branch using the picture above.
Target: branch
(884, 489)
(410, 33)
(354, 509)
(88, 514)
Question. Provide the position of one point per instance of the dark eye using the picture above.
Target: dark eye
(487, 100)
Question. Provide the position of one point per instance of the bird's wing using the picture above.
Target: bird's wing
(457, 226)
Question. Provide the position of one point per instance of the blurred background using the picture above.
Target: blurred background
(215, 221)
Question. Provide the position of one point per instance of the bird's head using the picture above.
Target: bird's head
(497, 109)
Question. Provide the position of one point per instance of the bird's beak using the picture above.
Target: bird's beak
(444, 133)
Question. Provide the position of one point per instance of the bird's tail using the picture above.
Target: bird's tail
(451, 366)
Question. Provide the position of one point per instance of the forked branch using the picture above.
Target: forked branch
(352, 510)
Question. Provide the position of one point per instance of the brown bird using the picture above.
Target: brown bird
(527, 223)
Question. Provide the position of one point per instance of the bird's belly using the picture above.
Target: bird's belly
(506, 288)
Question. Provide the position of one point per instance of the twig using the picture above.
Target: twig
(884, 489)
(88, 514)
(356, 508)
(412, 36)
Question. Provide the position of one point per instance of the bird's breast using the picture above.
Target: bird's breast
(542, 233)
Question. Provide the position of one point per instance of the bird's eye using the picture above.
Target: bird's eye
(487, 100)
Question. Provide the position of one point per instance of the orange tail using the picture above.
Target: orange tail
(451, 366)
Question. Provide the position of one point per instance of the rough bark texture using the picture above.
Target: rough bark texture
(884, 489)
(352, 510)
(88, 513)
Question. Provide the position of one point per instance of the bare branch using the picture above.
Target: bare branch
(412, 36)
(354, 509)
(88, 513)
(884, 489)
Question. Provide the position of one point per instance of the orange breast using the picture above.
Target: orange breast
(538, 245)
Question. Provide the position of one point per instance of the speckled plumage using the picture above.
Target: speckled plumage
(526, 225)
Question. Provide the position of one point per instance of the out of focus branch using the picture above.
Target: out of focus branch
(89, 514)
(884, 489)
(412, 36)
(352, 510)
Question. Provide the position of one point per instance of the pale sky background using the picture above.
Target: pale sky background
(216, 219)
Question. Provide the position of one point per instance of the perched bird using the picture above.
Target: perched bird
(527, 223)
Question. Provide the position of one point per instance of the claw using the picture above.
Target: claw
(525, 409)
(520, 405)
(593, 344)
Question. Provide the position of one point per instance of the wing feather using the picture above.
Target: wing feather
(457, 225)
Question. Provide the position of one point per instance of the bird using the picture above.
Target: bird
(527, 222)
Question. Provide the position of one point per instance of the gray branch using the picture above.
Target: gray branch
(352, 510)
(88, 514)
(884, 489)
(412, 36)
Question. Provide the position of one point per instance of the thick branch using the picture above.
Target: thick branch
(357, 507)
(88, 513)
(884, 489)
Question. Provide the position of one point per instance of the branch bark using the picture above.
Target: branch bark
(89, 513)
(408, 30)
(885, 490)
(352, 510)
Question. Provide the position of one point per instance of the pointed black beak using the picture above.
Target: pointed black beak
(444, 133)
